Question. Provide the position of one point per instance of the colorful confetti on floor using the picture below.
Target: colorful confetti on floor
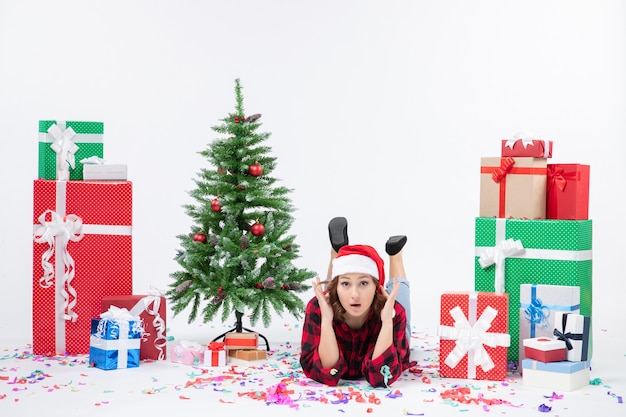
(29, 381)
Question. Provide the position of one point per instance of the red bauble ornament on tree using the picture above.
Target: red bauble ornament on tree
(199, 237)
(256, 170)
(215, 205)
(257, 229)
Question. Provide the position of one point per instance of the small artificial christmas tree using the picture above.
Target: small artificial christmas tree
(238, 256)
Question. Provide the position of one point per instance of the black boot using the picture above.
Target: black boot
(338, 232)
(395, 244)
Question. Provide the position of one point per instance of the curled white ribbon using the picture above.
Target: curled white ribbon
(151, 304)
(63, 146)
(57, 233)
(470, 339)
(497, 256)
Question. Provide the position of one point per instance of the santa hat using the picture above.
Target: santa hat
(359, 259)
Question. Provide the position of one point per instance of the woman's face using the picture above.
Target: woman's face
(356, 292)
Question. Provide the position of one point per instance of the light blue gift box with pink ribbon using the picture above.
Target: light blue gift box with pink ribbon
(539, 305)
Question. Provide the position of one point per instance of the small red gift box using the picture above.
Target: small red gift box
(241, 340)
(151, 309)
(568, 192)
(534, 148)
(473, 338)
(545, 349)
(82, 251)
(513, 187)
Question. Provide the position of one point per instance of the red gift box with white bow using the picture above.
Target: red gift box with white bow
(473, 338)
(82, 252)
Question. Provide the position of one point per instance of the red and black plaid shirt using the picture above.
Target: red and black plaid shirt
(355, 350)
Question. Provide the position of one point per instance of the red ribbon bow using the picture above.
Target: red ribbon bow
(216, 346)
(505, 167)
(556, 177)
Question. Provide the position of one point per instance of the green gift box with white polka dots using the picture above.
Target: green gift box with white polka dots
(555, 252)
(89, 139)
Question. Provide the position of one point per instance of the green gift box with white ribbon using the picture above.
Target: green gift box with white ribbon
(512, 252)
(63, 144)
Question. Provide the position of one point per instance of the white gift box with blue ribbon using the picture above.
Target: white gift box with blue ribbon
(538, 307)
(115, 340)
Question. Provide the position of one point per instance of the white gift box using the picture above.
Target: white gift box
(556, 376)
(538, 307)
(575, 330)
(117, 172)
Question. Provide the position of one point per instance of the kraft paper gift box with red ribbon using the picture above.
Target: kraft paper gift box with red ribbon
(215, 354)
(545, 349)
(473, 338)
(187, 352)
(511, 252)
(151, 309)
(115, 340)
(82, 252)
(63, 144)
(527, 147)
(568, 192)
(241, 340)
(538, 308)
(575, 331)
(556, 376)
(513, 187)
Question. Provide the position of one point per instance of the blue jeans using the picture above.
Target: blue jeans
(404, 298)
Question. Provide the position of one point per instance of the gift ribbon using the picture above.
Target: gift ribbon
(471, 335)
(528, 141)
(499, 174)
(232, 340)
(151, 305)
(217, 349)
(216, 346)
(497, 255)
(64, 147)
(57, 233)
(64, 274)
(531, 253)
(557, 177)
(536, 312)
(518, 137)
(567, 337)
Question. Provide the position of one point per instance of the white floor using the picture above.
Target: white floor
(67, 386)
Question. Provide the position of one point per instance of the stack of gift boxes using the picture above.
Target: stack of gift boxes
(236, 345)
(532, 275)
(82, 249)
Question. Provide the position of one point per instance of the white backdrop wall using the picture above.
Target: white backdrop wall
(378, 111)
